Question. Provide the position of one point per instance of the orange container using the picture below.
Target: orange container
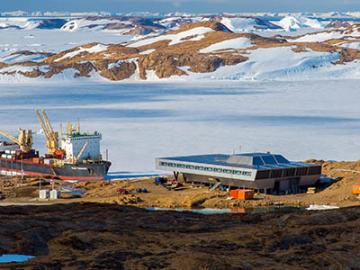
(234, 193)
(242, 194)
(245, 194)
(356, 189)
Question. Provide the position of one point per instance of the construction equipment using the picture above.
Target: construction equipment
(24, 140)
(52, 137)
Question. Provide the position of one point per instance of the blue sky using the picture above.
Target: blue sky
(181, 5)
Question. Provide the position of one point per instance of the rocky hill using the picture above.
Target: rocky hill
(198, 50)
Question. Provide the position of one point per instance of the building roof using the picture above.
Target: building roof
(257, 161)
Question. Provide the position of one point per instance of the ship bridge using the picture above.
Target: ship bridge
(82, 145)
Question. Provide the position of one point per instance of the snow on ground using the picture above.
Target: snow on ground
(247, 24)
(175, 38)
(16, 58)
(263, 64)
(279, 63)
(42, 40)
(91, 24)
(351, 45)
(318, 37)
(171, 22)
(291, 23)
(302, 120)
(237, 43)
(17, 68)
(18, 22)
(94, 49)
(119, 62)
(239, 24)
(148, 51)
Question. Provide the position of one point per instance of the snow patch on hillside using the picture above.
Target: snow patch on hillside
(67, 75)
(237, 43)
(17, 58)
(274, 64)
(351, 45)
(147, 51)
(318, 37)
(119, 62)
(175, 38)
(94, 49)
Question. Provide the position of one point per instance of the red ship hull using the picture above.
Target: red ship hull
(80, 172)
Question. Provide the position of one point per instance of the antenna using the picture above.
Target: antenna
(69, 129)
(78, 125)
(61, 130)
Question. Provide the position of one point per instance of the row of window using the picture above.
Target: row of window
(204, 168)
(278, 173)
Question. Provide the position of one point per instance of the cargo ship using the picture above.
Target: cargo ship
(72, 155)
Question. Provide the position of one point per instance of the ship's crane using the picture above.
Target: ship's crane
(52, 137)
(77, 158)
(24, 140)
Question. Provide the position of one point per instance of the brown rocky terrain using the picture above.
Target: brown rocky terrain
(108, 230)
(165, 59)
(100, 236)
(338, 193)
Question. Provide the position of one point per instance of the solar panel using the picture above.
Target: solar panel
(257, 161)
(269, 159)
(281, 159)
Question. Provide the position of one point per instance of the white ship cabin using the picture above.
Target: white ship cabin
(87, 144)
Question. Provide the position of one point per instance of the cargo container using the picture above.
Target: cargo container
(356, 189)
(43, 194)
(242, 194)
(54, 194)
(234, 193)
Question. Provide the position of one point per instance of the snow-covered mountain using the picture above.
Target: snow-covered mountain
(89, 21)
(186, 48)
(291, 23)
(126, 25)
(31, 23)
(247, 24)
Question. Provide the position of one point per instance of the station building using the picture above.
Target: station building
(263, 172)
